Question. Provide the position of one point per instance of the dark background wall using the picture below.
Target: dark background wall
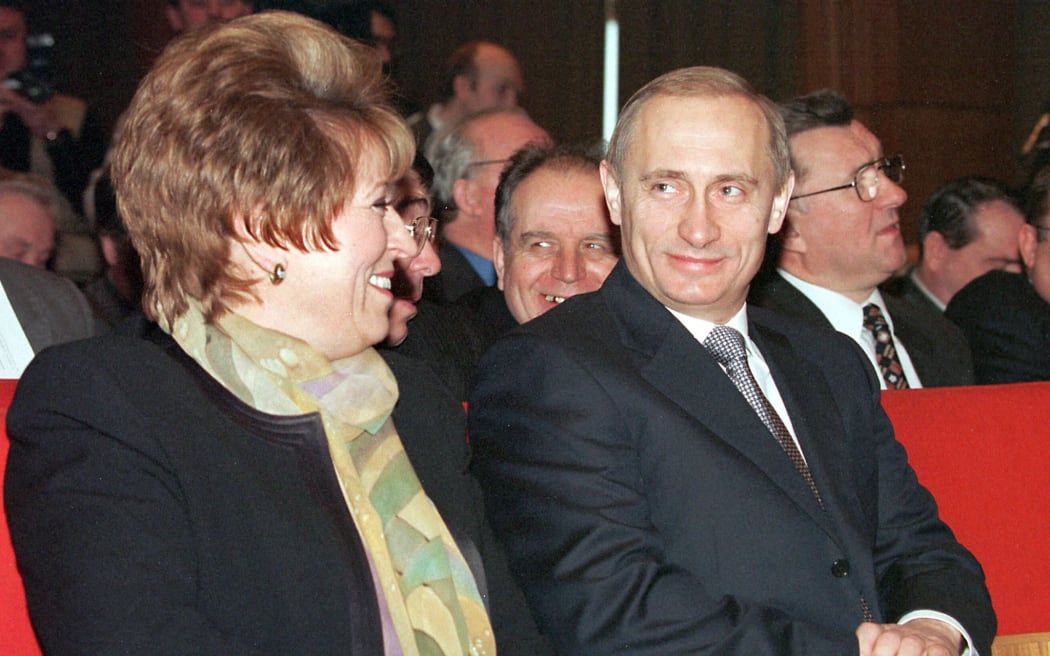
(953, 85)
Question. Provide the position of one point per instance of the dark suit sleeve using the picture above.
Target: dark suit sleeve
(919, 564)
(560, 470)
(98, 523)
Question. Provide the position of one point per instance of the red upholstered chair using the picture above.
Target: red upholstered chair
(16, 635)
(984, 453)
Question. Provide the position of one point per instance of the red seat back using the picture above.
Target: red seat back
(984, 453)
(16, 635)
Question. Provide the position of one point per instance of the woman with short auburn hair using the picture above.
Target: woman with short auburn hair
(235, 485)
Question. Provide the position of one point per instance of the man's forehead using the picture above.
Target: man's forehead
(504, 131)
(561, 202)
(668, 126)
(834, 148)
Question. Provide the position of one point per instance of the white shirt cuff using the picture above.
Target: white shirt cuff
(947, 619)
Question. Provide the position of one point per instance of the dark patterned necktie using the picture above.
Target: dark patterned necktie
(727, 345)
(885, 349)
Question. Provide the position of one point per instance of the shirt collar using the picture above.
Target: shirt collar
(844, 314)
(700, 328)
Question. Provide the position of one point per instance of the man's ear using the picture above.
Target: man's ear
(462, 86)
(464, 197)
(778, 212)
(934, 250)
(1028, 241)
(611, 188)
(497, 260)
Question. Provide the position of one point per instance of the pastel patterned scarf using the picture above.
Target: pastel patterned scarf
(429, 593)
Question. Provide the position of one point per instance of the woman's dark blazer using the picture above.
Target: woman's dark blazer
(154, 513)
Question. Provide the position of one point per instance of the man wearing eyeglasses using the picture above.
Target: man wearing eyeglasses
(841, 239)
(468, 158)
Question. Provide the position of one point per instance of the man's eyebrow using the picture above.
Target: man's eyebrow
(537, 234)
(660, 174)
(746, 178)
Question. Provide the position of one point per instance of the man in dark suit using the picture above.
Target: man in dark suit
(647, 505)
(841, 239)
(50, 309)
(1006, 316)
(968, 227)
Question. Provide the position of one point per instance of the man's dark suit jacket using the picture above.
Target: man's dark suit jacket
(647, 509)
(936, 347)
(904, 288)
(455, 279)
(452, 338)
(50, 308)
(1008, 326)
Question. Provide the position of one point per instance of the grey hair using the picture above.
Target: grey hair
(450, 152)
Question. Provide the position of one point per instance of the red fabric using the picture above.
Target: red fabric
(984, 453)
(16, 635)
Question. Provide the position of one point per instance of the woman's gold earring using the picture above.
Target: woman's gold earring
(278, 274)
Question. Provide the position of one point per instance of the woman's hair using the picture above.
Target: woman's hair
(263, 120)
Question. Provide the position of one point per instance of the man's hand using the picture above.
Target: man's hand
(40, 119)
(921, 637)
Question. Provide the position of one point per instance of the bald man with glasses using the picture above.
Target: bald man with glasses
(841, 238)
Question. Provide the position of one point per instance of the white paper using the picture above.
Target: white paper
(15, 351)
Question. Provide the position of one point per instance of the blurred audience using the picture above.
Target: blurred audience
(49, 308)
(1005, 315)
(185, 15)
(374, 23)
(116, 295)
(41, 131)
(841, 238)
(968, 227)
(468, 157)
(478, 75)
(30, 210)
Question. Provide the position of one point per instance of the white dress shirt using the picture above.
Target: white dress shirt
(847, 317)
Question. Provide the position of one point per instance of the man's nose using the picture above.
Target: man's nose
(697, 226)
(567, 266)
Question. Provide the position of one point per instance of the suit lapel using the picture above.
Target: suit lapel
(680, 368)
(818, 426)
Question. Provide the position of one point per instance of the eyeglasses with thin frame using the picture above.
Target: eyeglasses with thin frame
(866, 180)
(422, 229)
(1041, 232)
(486, 162)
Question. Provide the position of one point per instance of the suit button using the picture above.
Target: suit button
(840, 568)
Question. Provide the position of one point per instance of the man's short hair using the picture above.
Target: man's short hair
(820, 109)
(261, 120)
(16, 5)
(700, 81)
(40, 191)
(1037, 201)
(462, 61)
(564, 158)
(951, 208)
(450, 152)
